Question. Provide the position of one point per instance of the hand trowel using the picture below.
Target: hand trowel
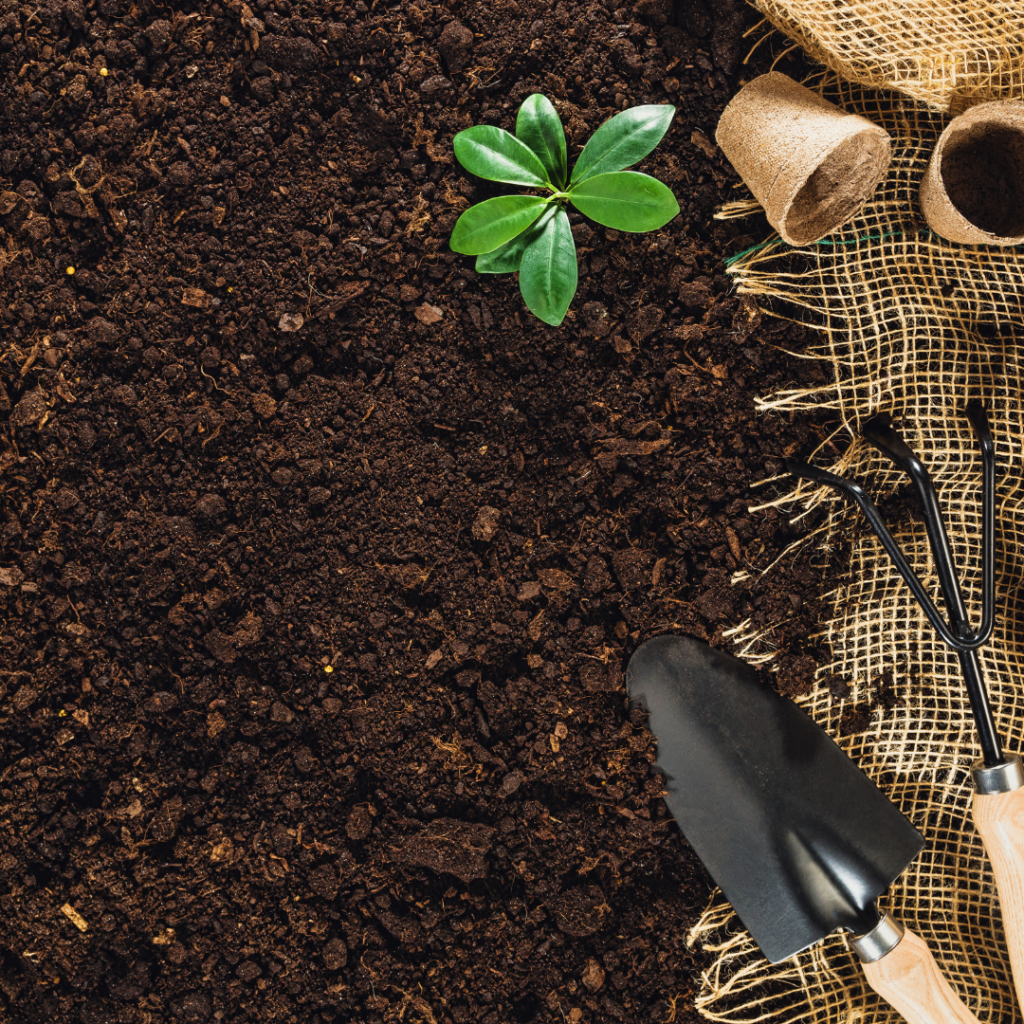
(800, 841)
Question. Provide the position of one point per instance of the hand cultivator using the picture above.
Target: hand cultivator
(998, 777)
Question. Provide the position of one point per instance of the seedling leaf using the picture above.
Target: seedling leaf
(547, 274)
(488, 225)
(495, 154)
(506, 258)
(625, 200)
(531, 234)
(623, 140)
(538, 126)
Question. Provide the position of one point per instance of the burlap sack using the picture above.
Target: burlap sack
(914, 326)
(812, 165)
(973, 190)
(946, 53)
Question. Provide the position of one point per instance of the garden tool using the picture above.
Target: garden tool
(998, 777)
(801, 842)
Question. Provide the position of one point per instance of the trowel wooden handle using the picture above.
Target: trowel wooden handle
(999, 819)
(909, 980)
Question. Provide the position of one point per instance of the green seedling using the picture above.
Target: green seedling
(530, 233)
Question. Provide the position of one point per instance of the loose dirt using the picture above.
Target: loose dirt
(321, 560)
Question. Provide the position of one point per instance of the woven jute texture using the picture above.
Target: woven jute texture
(914, 326)
(946, 53)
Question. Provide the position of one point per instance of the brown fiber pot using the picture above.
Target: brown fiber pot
(973, 190)
(809, 163)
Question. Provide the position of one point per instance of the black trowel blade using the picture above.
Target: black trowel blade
(798, 838)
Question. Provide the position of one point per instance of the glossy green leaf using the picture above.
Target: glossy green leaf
(547, 274)
(506, 258)
(496, 155)
(623, 140)
(538, 126)
(491, 224)
(625, 200)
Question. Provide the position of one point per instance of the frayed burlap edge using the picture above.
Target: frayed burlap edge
(945, 54)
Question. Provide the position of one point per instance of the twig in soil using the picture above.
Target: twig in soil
(456, 759)
(32, 356)
(670, 1019)
(788, 50)
(313, 288)
(8, 257)
(421, 1006)
(214, 382)
(146, 148)
(85, 193)
(34, 16)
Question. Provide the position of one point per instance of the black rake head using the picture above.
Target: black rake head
(955, 631)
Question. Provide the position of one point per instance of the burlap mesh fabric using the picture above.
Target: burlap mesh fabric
(946, 53)
(914, 326)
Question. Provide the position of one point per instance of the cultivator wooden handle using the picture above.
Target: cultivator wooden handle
(999, 818)
(909, 980)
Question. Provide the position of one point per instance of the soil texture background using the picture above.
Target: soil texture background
(320, 558)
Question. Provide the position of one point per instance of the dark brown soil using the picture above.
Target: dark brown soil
(321, 559)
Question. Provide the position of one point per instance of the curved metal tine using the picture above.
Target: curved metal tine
(880, 433)
(978, 416)
(855, 492)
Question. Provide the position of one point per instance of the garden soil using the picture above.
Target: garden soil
(320, 558)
